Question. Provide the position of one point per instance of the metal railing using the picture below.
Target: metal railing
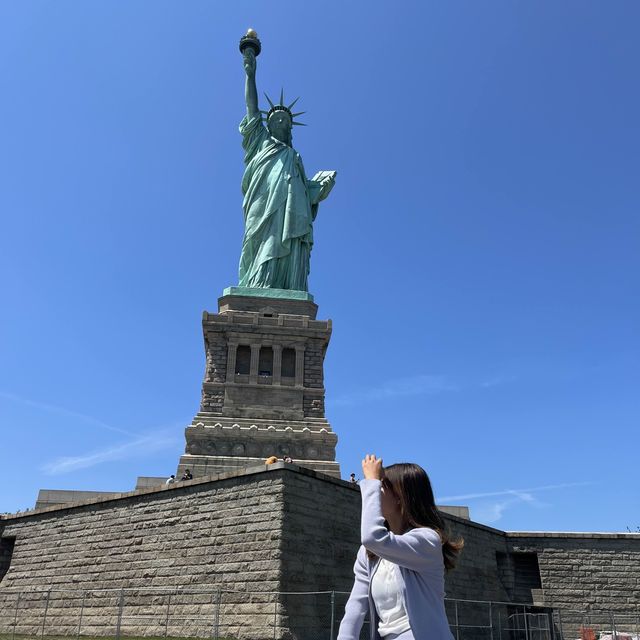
(214, 612)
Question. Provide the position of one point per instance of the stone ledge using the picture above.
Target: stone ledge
(56, 497)
(244, 320)
(268, 301)
(268, 292)
(573, 535)
(178, 486)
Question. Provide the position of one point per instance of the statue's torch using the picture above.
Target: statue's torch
(250, 41)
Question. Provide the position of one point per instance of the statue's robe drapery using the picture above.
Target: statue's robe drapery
(279, 206)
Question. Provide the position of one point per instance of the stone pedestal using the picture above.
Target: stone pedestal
(263, 390)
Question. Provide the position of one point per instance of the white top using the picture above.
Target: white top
(387, 597)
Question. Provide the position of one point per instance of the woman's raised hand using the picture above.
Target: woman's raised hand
(372, 467)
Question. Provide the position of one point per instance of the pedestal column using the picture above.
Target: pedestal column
(277, 364)
(255, 359)
(231, 361)
(299, 366)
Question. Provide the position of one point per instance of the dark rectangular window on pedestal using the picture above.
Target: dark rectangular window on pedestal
(265, 363)
(288, 369)
(243, 360)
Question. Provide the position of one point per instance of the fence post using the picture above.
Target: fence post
(560, 629)
(15, 618)
(275, 616)
(46, 608)
(550, 625)
(84, 595)
(217, 599)
(166, 620)
(120, 608)
(333, 614)
(614, 634)
(457, 627)
(491, 619)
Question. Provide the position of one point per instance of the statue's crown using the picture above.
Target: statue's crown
(283, 107)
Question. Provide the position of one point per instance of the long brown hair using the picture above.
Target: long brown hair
(411, 485)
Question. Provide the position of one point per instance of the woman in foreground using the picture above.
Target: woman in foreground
(400, 566)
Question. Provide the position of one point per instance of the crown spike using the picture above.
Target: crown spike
(291, 105)
(293, 115)
(282, 96)
(298, 124)
(269, 100)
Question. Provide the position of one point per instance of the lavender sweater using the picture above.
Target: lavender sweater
(418, 553)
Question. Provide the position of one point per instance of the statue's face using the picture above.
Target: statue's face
(280, 126)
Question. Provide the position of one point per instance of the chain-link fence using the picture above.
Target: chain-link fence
(212, 612)
(600, 625)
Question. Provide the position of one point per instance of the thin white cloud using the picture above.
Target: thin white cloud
(51, 408)
(423, 384)
(496, 381)
(513, 492)
(410, 386)
(491, 512)
(133, 449)
(526, 497)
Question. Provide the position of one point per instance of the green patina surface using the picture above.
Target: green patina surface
(280, 294)
(280, 203)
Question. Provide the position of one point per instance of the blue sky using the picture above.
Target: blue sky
(478, 256)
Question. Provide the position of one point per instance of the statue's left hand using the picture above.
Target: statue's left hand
(326, 185)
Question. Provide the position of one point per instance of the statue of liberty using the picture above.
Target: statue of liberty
(280, 203)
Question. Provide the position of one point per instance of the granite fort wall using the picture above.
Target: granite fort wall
(320, 537)
(476, 575)
(578, 570)
(265, 530)
(588, 576)
(191, 535)
(579, 573)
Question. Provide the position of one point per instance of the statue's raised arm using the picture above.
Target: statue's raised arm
(250, 90)
(280, 203)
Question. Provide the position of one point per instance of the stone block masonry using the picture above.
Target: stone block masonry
(586, 572)
(154, 538)
(222, 532)
(596, 570)
(281, 528)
